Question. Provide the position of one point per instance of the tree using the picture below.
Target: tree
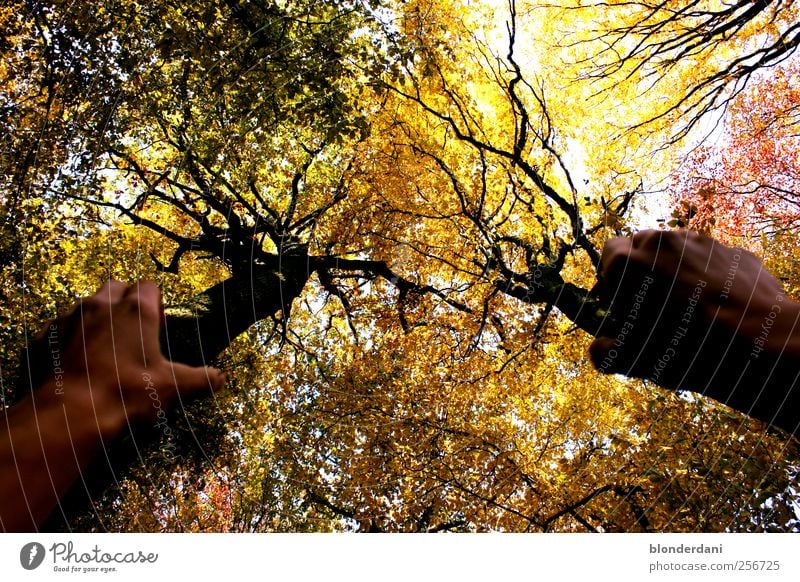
(742, 187)
(368, 213)
(718, 47)
(750, 169)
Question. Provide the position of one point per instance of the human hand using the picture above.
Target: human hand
(105, 356)
(694, 314)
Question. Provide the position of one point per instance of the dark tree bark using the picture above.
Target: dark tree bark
(228, 309)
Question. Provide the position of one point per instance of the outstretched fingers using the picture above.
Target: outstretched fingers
(196, 381)
(147, 297)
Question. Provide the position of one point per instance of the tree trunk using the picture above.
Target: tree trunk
(226, 310)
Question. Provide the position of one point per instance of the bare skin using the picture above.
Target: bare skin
(693, 314)
(100, 371)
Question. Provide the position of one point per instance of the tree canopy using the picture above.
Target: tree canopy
(383, 220)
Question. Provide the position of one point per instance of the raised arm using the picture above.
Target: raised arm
(97, 372)
(690, 313)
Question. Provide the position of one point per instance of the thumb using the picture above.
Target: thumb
(604, 355)
(190, 380)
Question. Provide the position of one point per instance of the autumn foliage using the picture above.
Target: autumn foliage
(744, 181)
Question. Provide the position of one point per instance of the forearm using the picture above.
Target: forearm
(759, 374)
(45, 442)
(777, 400)
(774, 354)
